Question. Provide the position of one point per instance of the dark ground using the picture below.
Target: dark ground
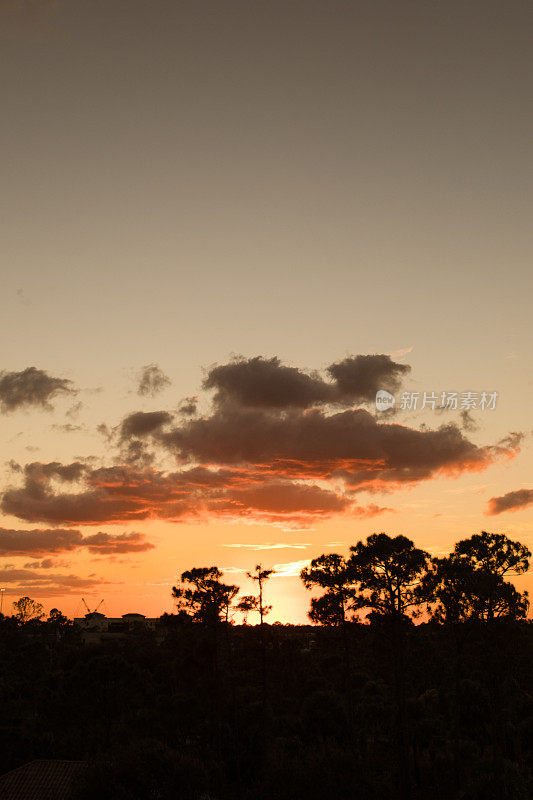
(211, 714)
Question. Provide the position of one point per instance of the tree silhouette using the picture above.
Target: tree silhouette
(27, 610)
(388, 573)
(494, 552)
(205, 597)
(470, 582)
(259, 576)
(329, 572)
(57, 618)
(246, 604)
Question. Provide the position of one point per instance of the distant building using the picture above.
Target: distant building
(97, 627)
(41, 780)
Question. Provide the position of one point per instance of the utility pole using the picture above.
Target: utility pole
(2, 601)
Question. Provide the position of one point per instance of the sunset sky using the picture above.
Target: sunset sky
(225, 226)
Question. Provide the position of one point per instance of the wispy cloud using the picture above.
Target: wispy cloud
(401, 353)
(269, 546)
(291, 569)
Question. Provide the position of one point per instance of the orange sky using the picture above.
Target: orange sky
(189, 181)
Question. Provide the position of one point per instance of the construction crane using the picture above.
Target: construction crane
(88, 609)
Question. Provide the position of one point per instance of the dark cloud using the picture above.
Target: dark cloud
(274, 447)
(143, 423)
(132, 432)
(351, 444)
(137, 453)
(56, 540)
(113, 494)
(38, 542)
(106, 543)
(152, 380)
(267, 383)
(85, 507)
(358, 378)
(188, 406)
(39, 473)
(46, 563)
(512, 501)
(468, 423)
(27, 577)
(104, 431)
(45, 584)
(31, 387)
(124, 493)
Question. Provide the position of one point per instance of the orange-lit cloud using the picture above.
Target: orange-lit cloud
(56, 540)
(46, 583)
(263, 453)
(511, 501)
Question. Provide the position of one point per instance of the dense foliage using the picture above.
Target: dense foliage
(184, 717)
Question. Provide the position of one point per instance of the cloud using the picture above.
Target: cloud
(468, 423)
(74, 411)
(267, 383)
(30, 387)
(403, 351)
(293, 469)
(67, 427)
(104, 431)
(132, 433)
(512, 501)
(232, 570)
(54, 469)
(276, 447)
(124, 493)
(283, 497)
(113, 494)
(59, 540)
(143, 423)
(358, 378)
(269, 546)
(47, 584)
(46, 563)
(291, 569)
(188, 406)
(27, 577)
(350, 445)
(151, 381)
(38, 541)
(106, 543)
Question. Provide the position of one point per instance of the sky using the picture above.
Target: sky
(224, 227)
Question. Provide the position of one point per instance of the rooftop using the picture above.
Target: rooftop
(40, 780)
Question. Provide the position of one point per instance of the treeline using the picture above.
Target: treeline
(386, 576)
(363, 703)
